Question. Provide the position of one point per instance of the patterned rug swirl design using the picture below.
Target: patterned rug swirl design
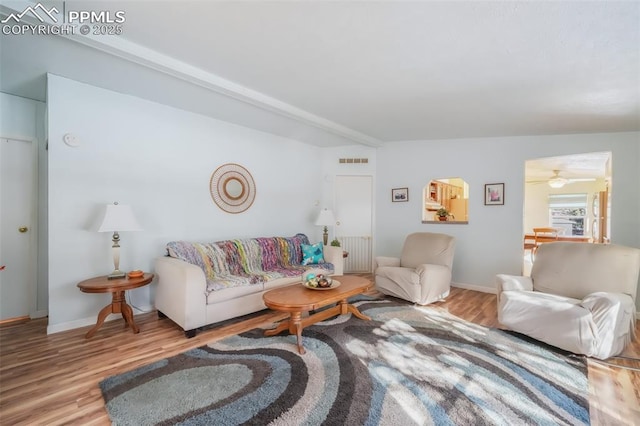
(409, 365)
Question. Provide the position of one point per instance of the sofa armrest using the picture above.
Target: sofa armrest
(334, 255)
(512, 282)
(181, 293)
(427, 268)
(614, 315)
(386, 261)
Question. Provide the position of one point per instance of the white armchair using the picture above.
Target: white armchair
(580, 298)
(423, 272)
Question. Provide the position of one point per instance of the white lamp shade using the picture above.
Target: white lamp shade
(325, 218)
(117, 218)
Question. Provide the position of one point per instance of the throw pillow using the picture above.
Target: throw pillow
(312, 254)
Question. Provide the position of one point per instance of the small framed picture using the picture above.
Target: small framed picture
(399, 195)
(494, 194)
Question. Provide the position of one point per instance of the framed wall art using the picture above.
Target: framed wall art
(494, 194)
(232, 188)
(399, 195)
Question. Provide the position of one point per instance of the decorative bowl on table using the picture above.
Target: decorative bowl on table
(319, 282)
(135, 274)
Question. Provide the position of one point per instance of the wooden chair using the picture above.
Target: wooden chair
(541, 236)
(529, 244)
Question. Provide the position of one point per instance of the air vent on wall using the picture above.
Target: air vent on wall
(353, 160)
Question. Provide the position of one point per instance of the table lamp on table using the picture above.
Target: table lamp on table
(325, 218)
(118, 218)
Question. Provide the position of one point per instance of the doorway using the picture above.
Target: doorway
(560, 193)
(18, 221)
(354, 220)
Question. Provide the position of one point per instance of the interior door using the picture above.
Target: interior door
(17, 228)
(353, 211)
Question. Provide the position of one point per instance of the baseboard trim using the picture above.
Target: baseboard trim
(474, 287)
(14, 320)
(83, 322)
(39, 314)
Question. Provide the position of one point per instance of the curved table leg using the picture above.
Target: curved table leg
(118, 305)
(345, 307)
(295, 326)
(127, 314)
(355, 311)
(101, 317)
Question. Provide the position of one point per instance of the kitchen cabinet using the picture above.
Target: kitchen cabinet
(442, 193)
(458, 208)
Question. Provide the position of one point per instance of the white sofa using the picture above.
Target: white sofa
(580, 297)
(204, 283)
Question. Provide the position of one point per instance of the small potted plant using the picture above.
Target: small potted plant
(443, 214)
(335, 242)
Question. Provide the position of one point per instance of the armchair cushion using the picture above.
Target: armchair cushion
(427, 247)
(578, 269)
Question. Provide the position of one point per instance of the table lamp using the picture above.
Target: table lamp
(117, 218)
(325, 218)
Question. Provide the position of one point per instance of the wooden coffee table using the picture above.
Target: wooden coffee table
(297, 299)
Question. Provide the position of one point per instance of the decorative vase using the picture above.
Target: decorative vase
(442, 218)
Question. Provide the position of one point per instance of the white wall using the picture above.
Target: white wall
(159, 160)
(24, 119)
(492, 241)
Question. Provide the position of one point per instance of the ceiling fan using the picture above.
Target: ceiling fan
(557, 181)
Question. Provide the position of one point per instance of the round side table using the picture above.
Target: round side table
(116, 287)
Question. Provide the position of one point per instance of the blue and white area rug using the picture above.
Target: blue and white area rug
(409, 365)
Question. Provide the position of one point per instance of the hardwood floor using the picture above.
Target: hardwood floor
(54, 379)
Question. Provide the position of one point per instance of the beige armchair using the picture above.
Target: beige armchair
(580, 298)
(423, 272)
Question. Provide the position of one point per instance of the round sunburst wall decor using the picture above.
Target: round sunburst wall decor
(232, 188)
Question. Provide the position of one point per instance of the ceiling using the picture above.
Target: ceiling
(338, 73)
(587, 165)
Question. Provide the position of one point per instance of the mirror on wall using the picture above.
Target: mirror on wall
(233, 188)
(445, 200)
